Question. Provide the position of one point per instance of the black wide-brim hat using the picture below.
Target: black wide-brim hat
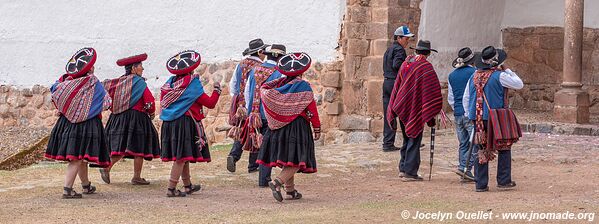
(465, 57)
(81, 62)
(423, 45)
(132, 60)
(294, 64)
(255, 46)
(184, 62)
(487, 60)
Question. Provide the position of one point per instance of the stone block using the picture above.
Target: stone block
(511, 40)
(353, 96)
(358, 14)
(357, 47)
(380, 15)
(334, 108)
(582, 131)
(330, 94)
(359, 137)
(376, 31)
(544, 128)
(354, 30)
(371, 66)
(334, 66)
(552, 41)
(377, 125)
(354, 122)
(522, 54)
(350, 67)
(335, 137)
(331, 79)
(379, 47)
(380, 3)
(374, 97)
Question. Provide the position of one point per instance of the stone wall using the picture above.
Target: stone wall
(29, 107)
(367, 32)
(536, 54)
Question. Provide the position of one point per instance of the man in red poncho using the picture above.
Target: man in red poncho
(416, 99)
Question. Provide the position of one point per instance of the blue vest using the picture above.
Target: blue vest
(458, 80)
(494, 92)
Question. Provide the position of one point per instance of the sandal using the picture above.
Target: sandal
(71, 194)
(140, 181)
(172, 192)
(189, 189)
(273, 187)
(105, 175)
(89, 189)
(294, 195)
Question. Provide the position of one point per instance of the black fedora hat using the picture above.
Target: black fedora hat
(490, 57)
(254, 46)
(276, 49)
(465, 57)
(423, 45)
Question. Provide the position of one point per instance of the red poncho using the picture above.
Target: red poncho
(416, 96)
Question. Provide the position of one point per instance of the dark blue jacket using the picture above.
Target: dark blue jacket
(394, 57)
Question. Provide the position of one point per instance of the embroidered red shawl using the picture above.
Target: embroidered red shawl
(416, 96)
(284, 99)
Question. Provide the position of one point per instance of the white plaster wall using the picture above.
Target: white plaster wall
(525, 13)
(451, 25)
(37, 37)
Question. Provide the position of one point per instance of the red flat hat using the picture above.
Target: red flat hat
(81, 62)
(294, 64)
(184, 62)
(131, 60)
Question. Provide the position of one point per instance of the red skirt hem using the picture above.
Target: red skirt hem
(87, 157)
(279, 163)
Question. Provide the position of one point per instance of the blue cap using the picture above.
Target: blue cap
(403, 31)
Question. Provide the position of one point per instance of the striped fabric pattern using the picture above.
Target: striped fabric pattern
(176, 97)
(79, 99)
(284, 100)
(416, 96)
(125, 91)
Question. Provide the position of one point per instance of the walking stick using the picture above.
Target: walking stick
(430, 173)
(469, 155)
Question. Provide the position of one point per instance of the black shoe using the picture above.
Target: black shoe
(507, 186)
(253, 170)
(410, 178)
(390, 149)
(231, 164)
(482, 190)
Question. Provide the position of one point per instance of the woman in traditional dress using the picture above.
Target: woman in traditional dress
(290, 108)
(183, 139)
(130, 132)
(78, 136)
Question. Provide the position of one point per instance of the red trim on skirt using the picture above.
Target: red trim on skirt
(134, 154)
(71, 157)
(279, 163)
(187, 159)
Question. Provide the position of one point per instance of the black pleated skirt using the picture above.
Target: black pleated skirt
(79, 141)
(180, 141)
(292, 145)
(132, 134)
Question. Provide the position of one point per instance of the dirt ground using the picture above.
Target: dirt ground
(354, 184)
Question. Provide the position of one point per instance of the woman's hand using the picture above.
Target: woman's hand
(316, 135)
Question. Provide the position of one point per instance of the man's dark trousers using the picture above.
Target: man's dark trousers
(504, 167)
(409, 163)
(236, 152)
(388, 132)
(264, 171)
